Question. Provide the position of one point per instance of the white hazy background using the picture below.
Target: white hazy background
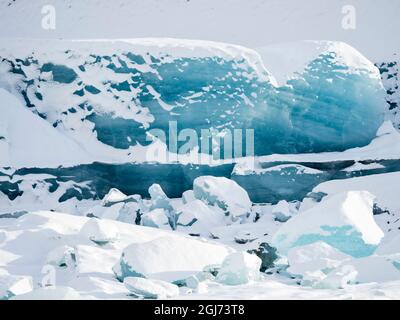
(252, 23)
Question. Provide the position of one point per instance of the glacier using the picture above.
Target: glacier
(114, 93)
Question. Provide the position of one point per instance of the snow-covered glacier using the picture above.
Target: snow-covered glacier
(313, 206)
(108, 95)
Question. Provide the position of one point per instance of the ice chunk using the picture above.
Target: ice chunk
(113, 196)
(198, 218)
(224, 193)
(362, 270)
(150, 288)
(63, 256)
(195, 281)
(159, 198)
(169, 258)
(312, 262)
(157, 218)
(239, 268)
(345, 221)
(281, 211)
(11, 286)
(188, 196)
(99, 231)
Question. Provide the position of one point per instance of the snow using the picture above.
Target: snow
(157, 218)
(199, 217)
(239, 268)
(344, 220)
(224, 193)
(26, 133)
(151, 289)
(228, 21)
(364, 270)
(57, 293)
(11, 286)
(298, 55)
(99, 231)
(380, 185)
(170, 258)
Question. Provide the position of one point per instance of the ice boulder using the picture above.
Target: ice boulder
(159, 198)
(63, 256)
(198, 218)
(188, 196)
(150, 288)
(157, 218)
(345, 221)
(169, 258)
(313, 261)
(362, 270)
(11, 285)
(99, 231)
(224, 193)
(282, 211)
(113, 196)
(239, 268)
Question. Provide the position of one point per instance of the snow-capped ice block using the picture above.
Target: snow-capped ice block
(113, 196)
(314, 261)
(150, 288)
(113, 92)
(99, 231)
(345, 221)
(196, 217)
(239, 268)
(159, 198)
(63, 256)
(11, 285)
(157, 218)
(224, 193)
(363, 270)
(169, 258)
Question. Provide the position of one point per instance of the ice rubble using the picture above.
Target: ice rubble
(345, 221)
(52, 293)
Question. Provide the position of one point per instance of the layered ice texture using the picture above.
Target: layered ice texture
(108, 95)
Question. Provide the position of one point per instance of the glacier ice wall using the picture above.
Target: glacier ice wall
(108, 95)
